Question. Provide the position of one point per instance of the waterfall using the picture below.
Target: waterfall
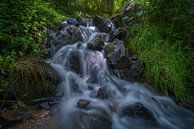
(95, 98)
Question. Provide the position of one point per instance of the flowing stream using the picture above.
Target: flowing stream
(94, 98)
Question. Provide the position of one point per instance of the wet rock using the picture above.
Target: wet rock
(124, 67)
(75, 34)
(102, 25)
(112, 58)
(96, 44)
(59, 94)
(94, 121)
(79, 45)
(134, 58)
(90, 22)
(136, 67)
(120, 34)
(72, 22)
(74, 62)
(82, 103)
(90, 80)
(138, 110)
(120, 51)
(63, 36)
(109, 48)
(74, 85)
(120, 47)
(123, 63)
(102, 93)
(81, 21)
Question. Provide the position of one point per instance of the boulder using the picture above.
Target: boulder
(102, 93)
(63, 36)
(82, 103)
(96, 44)
(102, 25)
(136, 67)
(109, 48)
(119, 33)
(138, 110)
(93, 120)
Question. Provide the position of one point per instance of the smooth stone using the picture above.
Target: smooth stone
(82, 103)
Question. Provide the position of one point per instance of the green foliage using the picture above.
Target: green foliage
(23, 24)
(93, 7)
(23, 28)
(176, 18)
(7, 64)
(165, 42)
(166, 64)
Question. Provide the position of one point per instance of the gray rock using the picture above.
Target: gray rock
(102, 93)
(82, 103)
(95, 121)
(136, 67)
(63, 36)
(138, 110)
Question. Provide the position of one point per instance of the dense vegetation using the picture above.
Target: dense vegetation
(164, 40)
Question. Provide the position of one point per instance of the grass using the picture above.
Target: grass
(166, 64)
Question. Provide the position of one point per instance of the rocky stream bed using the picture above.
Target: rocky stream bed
(98, 86)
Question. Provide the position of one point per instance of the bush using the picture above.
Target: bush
(24, 24)
(23, 29)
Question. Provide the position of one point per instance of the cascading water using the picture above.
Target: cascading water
(94, 98)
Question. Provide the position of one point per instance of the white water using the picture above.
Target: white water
(76, 86)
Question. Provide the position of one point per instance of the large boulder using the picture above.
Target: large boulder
(137, 110)
(94, 120)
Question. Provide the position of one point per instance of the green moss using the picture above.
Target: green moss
(166, 64)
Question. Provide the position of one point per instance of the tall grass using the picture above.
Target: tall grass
(166, 64)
